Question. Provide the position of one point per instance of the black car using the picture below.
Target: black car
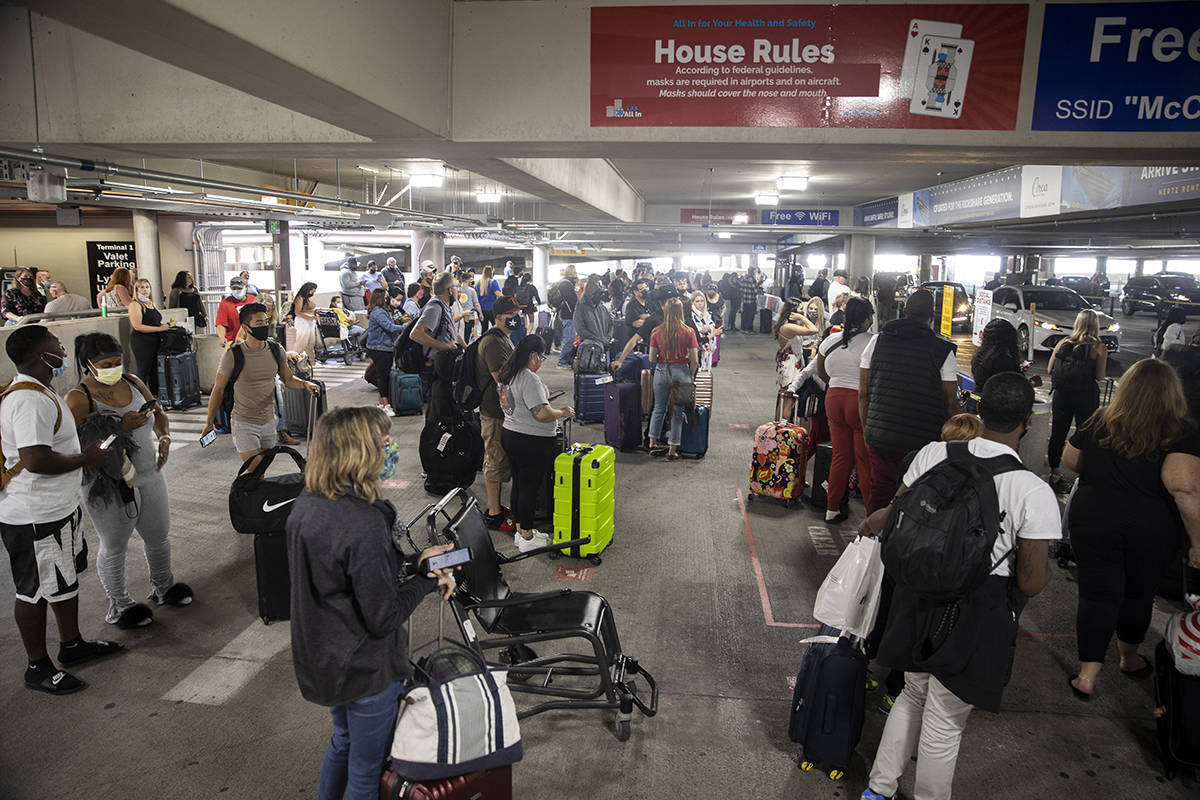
(962, 312)
(1158, 293)
(1085, 286)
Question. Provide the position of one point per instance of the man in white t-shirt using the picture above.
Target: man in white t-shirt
(837, 287)
(908, 387)
(931, 713)
(39, 509)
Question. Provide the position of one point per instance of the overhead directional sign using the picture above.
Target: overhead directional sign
(800, 216)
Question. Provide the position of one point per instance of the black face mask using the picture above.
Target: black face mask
(261, 332)
(512, 323)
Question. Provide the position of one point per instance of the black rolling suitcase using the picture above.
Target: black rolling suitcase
(274, 577)
(1177, 697)
(766, 320)
(301, 409)
(829, 705)
(178, 380)
(543, 510)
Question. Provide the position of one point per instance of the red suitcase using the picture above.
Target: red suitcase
(488, 784)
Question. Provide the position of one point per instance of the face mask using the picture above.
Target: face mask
(58, 371)
(512, 323)
(27, 281)
(109, 376)
(373, 270)
(391, 458)
(145, 298)
(238, 294)
(261, 332)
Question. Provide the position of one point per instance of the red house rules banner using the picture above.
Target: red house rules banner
(853, 66)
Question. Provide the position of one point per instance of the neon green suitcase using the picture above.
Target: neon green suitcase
(584, 500)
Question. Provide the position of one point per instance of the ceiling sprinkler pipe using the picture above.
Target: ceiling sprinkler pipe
(107, 168)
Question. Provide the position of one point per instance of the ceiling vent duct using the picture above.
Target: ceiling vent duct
(45, 187)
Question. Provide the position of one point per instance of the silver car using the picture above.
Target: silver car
(1053, 318)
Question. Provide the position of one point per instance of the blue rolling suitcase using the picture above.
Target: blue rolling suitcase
(405, 392)
(693, 441)
(623, 415)
(589, 396)
(631, 368)
(178, 380)
(829, 704)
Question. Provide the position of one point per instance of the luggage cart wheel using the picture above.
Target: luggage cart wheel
(595, 559)
(266, 620)
(348, 358)
(806, 766)
(554, 554)
(836, 774)
(622, 729)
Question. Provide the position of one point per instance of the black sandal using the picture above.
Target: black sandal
(84, 652)
(57, 682)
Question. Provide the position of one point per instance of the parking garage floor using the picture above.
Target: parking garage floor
(713, 594)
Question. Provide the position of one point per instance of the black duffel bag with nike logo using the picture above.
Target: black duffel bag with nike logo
(258, 504)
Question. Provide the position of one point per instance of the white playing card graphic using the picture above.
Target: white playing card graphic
(917, 30)
(941, 80)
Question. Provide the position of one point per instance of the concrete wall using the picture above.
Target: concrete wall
(39, 242)
(92, 90)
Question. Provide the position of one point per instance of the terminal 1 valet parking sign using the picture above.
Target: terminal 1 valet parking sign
(807, 66)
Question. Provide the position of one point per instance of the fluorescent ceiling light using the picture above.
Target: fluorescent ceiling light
(488, 197)
(741, 219)
(724, 235)
(792, 183)
(426, 180)
(371, 170)
(766, 199)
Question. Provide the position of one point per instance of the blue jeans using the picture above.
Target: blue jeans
(362, 738)
(566, 356)
(664, 375)
(730, 314)
(518, 333)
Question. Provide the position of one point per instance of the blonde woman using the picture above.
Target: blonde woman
(790, 331)
(814, 312)
(349, 646)
(147, 323)
(674, 353)
(1137, 463)
(1076, 364)
(118, 292)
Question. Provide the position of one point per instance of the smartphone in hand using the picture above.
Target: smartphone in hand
(208, 438)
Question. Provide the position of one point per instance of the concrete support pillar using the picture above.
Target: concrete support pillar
(175, 250)
(281, 245)
(1043, 266)
(860, 257)
(1102, 266)
(145, 244)
(541, 268)
(925, 268)
(1139, 266)
(427, 246)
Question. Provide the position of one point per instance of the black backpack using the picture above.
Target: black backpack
(409, 356)
(554, 296)
(1076, 370)
(224, 421)
(468, 390)
(939, 536)
(173, 341)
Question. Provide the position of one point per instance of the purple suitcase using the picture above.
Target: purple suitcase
(716, 350)
(623, 415)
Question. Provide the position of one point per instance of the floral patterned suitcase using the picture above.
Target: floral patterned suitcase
(779, 461)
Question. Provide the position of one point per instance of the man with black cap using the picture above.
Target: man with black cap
(908, 387)
(495, 347)
(352, 286)
(837, 288)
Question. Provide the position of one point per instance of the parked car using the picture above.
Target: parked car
(961, 315)
(1055, 309)
(1085, 286)
(1159, 292)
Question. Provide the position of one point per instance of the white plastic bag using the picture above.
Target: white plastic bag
(849, 596)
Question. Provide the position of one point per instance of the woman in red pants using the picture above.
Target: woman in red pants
(838, 364)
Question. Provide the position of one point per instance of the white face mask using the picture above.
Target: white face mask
(145, 298)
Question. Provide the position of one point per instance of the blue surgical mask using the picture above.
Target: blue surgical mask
(391, 458)
(238, 294)
(58, 371)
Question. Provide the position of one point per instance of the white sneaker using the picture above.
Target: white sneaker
(387, 409)
(539, 539)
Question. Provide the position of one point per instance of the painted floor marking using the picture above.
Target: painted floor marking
(768, 614)
(219, 678)
(822, 541)
(583, 574)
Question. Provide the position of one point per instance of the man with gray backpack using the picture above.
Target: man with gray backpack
(966, 541)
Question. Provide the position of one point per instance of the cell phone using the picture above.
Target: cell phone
(112, 437)
(448, 560)
(208, 438)
(147, 406)
(557, 393)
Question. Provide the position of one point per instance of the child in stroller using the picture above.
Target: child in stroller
(339, 324)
